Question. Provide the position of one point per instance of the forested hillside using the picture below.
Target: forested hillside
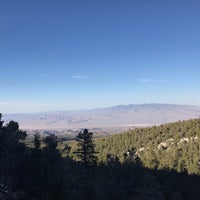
(133, 165)
(170, 146)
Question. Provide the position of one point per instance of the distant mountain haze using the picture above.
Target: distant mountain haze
(116, 116)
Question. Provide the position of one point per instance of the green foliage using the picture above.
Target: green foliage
(45, 170)
(37, 142)
(182, 140)
(41, 173)
(86, 148)
(12, 152)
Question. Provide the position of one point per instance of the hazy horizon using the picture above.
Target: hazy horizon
(119, 117)
(96, 108)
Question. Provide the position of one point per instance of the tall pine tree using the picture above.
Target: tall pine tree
(86, 148)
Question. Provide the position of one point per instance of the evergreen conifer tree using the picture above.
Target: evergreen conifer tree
(86, 148)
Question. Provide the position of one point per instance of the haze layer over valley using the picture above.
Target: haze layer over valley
(108, 120)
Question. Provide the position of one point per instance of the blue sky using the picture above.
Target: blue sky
(75, 54)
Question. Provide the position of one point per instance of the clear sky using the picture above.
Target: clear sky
(80, 54)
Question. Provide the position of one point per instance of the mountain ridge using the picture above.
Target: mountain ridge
(116, 116)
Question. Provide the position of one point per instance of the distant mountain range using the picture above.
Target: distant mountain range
(116, 117)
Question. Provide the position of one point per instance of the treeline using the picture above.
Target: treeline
(43, 172)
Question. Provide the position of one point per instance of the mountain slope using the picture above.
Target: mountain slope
(170, 146)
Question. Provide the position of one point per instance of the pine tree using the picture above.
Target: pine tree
(12, 153)
(86, 148)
